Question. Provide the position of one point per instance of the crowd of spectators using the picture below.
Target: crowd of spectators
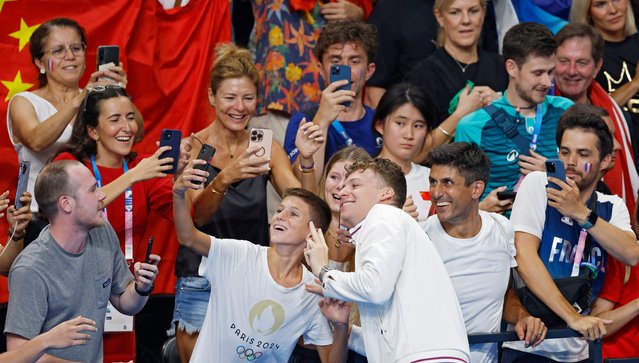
(444, 188)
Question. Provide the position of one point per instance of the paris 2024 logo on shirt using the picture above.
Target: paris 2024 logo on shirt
(266, 317)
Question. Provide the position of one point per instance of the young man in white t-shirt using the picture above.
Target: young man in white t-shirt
(549, 224)
(258, 306)
(408, 308)
(477, 248)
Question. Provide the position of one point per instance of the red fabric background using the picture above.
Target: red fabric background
(167, 56)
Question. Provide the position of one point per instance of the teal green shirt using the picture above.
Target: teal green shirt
(479, 128)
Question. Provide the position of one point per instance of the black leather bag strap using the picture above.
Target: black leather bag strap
(504, 122)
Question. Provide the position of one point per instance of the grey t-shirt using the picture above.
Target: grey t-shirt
(49, 286)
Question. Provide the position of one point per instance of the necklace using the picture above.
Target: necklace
(462, 67)
(231, 152)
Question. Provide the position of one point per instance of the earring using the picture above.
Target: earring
(42, 71)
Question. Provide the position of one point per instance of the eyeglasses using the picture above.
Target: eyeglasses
(59, 51)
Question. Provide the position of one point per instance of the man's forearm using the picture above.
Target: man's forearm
(514, 310)
(339, 348)
(130, 302)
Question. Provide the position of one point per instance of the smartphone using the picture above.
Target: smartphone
(555, 168)
(171, 138)
(506, 195)
(338, 73)
(108, 55)
(206, 153)
(262, 138)
(147, 259)
(23, 181)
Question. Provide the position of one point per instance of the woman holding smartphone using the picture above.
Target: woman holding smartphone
(233, 204)
(40, 122)
(102, 138)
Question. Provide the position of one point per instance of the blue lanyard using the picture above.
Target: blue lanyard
(128, 209)
(340, 130)
(537, 128)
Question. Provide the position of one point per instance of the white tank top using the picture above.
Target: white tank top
(44, 109)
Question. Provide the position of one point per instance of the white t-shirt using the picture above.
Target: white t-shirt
(249, 316)
(418, 186)
(479, 268)
(43, 109)
(407, 303)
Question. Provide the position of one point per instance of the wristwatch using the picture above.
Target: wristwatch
(591, 219)
(323, 272)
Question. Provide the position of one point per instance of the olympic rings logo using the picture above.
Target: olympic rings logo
(247, 353)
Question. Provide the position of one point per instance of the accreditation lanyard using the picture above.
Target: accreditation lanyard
(537, 128)
(579, 253)
(533, 139)
(128, 209)
(342, 132)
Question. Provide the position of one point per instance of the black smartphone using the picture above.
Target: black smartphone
(149, 247)
(108, 55)
(23, 181)
(206, 153)
(338, 73)
(506, 195)
(171, 138)
(555, 168)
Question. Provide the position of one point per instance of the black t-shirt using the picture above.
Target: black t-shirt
(406, 33)
(619, 65)
(441, 78)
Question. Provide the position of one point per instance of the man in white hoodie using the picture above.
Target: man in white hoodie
(408, 308)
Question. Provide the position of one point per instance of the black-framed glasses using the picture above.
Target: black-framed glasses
(59, 51)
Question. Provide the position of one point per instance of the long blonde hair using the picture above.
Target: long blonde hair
(580, 13)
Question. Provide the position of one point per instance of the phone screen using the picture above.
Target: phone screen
(23, 181)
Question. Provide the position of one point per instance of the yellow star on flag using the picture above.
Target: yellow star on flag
(2, 3)
(16, 86)
(24, 34)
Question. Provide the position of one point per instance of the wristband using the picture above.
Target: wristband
(214, 190)
(15, 237)
(443, 131)
(307, 170)
(143, 293)
(591, 219)
(323, 272)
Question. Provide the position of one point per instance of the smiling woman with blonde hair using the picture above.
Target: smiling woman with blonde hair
(447, 72)
(619, 74)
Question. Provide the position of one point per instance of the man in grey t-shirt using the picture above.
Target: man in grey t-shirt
(74, 268)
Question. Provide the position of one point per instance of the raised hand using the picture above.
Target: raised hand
(316, 251)
(309, 139)
(145, 273)
(20, 218)
(191, 178)
(411, 208)
(331, 103)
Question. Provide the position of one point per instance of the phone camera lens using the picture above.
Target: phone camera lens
(167, 136)
(551, 167)
(253, 137)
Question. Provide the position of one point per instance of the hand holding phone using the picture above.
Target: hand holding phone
(23, 181)
(555, 168)
(340, 72)
(171, 138)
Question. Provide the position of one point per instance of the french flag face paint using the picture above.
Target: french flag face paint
(51, 64)
(588, 167)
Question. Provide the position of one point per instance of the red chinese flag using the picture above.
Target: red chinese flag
(167, 56)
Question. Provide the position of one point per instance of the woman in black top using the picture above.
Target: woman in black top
(458, 60)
